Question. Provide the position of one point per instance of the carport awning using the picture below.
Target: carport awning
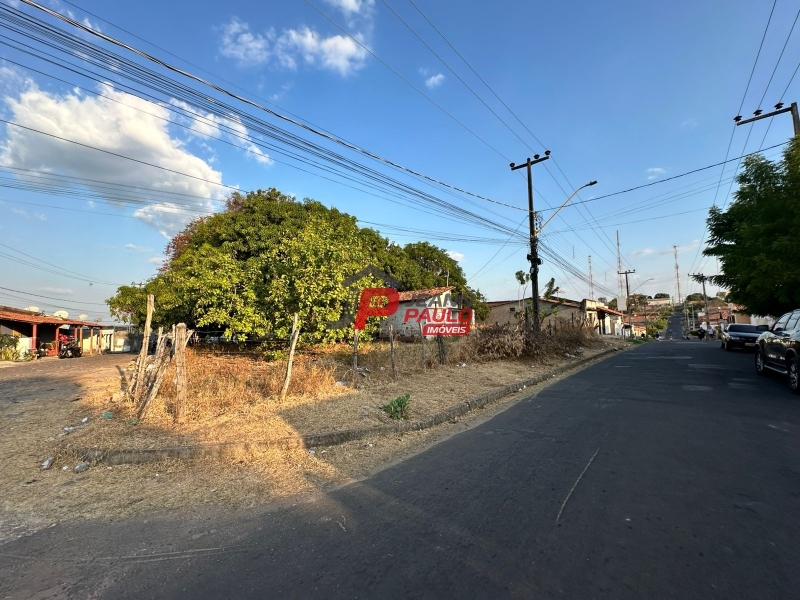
(21, 316)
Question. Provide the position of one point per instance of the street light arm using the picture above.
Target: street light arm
(641, 284)
(563, 205)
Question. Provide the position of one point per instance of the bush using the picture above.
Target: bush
(8, 347)
(497, 342)
(397, 408)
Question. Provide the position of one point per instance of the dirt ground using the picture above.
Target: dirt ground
(38, 400)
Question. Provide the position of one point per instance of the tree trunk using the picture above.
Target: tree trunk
(355, 357)
(391, 350)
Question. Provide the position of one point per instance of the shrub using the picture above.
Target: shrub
(397, 408)
(8, 347)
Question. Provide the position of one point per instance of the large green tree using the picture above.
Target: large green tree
(757, 239)
(247, 270)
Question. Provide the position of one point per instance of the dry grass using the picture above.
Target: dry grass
(237, 399)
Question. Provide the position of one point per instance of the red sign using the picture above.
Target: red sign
(437, 329)
(436, 320)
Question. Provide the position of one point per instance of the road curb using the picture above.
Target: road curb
(331, 438)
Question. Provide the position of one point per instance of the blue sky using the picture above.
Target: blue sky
(625, 92)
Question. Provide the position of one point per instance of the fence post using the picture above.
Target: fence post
(391, 350)
(180, 372)
(164, 353)
(295, 335)
(355, 357)
(139, 374)
(422, 339)
(442, 350)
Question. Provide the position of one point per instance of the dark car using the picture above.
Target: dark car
(743, 337)
(779, 348)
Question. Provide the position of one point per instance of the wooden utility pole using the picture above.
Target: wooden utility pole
(287, 379)
(533, 257)
(628, 297)
(137, 383)
(180, 372)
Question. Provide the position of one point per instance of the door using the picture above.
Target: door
(783, 342)
(773, 345)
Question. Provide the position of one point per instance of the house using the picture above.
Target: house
(33, 329)
(438, 299)
(590, 312)
(659, 302)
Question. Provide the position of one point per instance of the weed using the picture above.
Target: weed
(398, 408)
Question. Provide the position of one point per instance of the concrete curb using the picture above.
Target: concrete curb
(331, 438)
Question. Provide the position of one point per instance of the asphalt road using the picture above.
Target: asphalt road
(681, 468)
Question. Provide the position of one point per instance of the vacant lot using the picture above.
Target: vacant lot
(40, 399)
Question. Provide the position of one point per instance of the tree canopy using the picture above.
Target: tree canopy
(661, 295)
(247, 270)
(757, 239)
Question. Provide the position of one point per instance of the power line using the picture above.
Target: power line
(316, 131)
(733, 132)
(50, 297)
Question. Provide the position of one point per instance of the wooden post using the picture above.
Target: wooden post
(355, 357)
(391, 350)
(442, 349)
(150, 387)
(180, 372)
(422, 339)
(139, 374)
(287, 379)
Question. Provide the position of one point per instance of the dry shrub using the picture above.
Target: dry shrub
(219, 385)
(499, 342)
(492, 342)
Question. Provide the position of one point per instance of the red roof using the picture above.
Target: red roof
(25, 316)
(423, 294)
(494, 303)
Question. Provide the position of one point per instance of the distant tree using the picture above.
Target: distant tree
(661, 295)
(603, 300)
(722, 295)
(695, 298)
(757, 239)
(612, 304)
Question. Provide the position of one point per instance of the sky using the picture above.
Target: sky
(626, 93)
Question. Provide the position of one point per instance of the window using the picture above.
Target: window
(512, 309)
(781, 324)
(793, 322)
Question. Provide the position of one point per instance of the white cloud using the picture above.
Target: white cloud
(246, 48)
(112, 126)
(156, 260)
(137, 248)
(654, 172)
(336, 53)
(689, 123)
(352, 6)
(55, 290)
(643, 252)
(456, 256)
(434, 81)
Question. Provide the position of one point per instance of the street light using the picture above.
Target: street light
(565, 203)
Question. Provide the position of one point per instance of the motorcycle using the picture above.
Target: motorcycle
(70, 349)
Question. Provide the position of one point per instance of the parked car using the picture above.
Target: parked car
(741, 336)
(778, 349)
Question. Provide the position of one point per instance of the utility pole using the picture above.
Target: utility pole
(702, 279)
(627, 296)
(779, 110)
(533, 257)
(591, 278)
(677, 273)
(619, 276)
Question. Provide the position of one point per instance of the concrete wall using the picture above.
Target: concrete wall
(505, 313)
(411, 328)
